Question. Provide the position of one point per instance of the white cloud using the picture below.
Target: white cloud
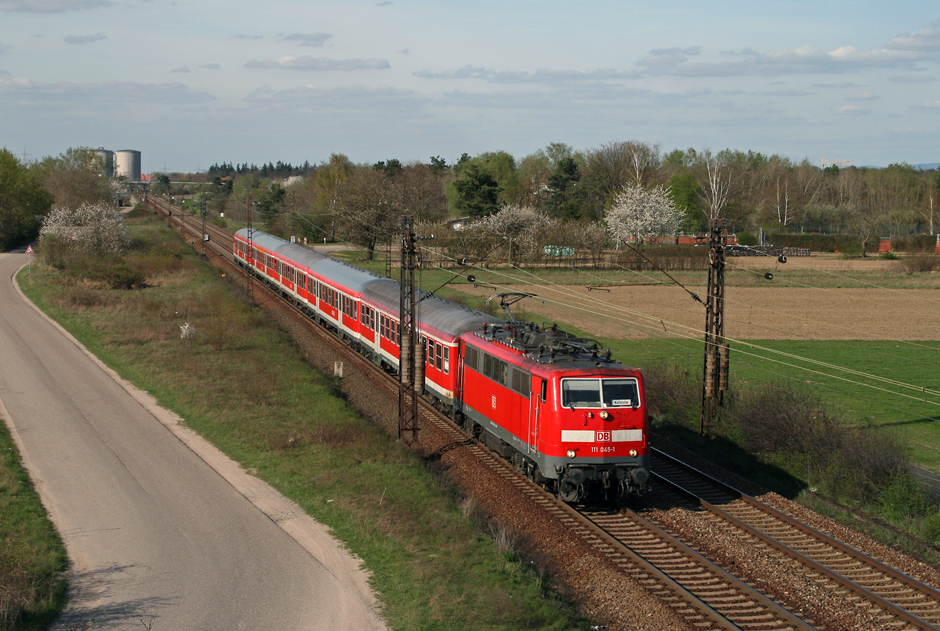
(345, 100)
(94, 96)
(541, 76)
(318, 64)
(466, 72)
(315, 40)
(853, 110)
(50, 6)
(84, 39)
(787, 93)
(921, 78)
(904, 52)
(181, 69)
(924, 40)
(862, 96)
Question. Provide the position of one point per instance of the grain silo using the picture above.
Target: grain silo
(106, 157)
(128, 164)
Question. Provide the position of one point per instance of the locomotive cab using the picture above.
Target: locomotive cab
(599, 446)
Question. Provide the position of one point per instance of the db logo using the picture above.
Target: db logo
(603, 437)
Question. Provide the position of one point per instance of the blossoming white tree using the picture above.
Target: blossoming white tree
(640, 214)
(96, 229)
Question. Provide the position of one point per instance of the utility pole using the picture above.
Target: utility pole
(249, 285)
(716, 349)
(409, 338)
(202, 209)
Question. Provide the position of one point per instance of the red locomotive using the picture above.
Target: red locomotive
(566, 414)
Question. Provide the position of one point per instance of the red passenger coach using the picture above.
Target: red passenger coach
(568, 416)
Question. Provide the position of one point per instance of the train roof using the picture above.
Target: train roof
(444, 317)
(349, 276)
(262, 239)
(353, 278)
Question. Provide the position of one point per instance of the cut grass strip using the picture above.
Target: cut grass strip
(33, 561)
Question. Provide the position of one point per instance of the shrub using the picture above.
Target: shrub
(930, 529)
(672, 393)
(779, 417)
(903, 498)
(920, 263)
(107, 271)
(915, 243)
(747, 238)
(788, 425)
(863, 464)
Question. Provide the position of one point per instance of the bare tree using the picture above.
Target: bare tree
(365, 212)
(715, 184)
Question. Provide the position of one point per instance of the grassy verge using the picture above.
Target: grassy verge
(32, 557)
(243, 385)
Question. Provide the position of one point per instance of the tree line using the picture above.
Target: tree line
(338, 198)
(748, 191)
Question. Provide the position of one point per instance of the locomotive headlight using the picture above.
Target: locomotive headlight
(605, 415)
(572, 453)
(633, 452)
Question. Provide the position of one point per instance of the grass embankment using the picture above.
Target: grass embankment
(242, 384)
(32, 557)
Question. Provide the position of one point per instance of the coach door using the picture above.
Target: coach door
(536, 401)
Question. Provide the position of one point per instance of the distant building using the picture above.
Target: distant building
(107, 161)
(128, 164)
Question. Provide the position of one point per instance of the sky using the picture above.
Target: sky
(200, 82)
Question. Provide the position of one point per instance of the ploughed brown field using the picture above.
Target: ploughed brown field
(777, 312)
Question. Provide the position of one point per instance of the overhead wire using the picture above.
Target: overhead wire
(791, 356)
(650, 322)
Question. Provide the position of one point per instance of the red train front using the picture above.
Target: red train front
(567, 415)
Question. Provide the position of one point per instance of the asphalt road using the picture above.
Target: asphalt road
(159, 526)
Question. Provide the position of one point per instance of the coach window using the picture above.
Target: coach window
(544, 394)
(440, 355)
(446, 360)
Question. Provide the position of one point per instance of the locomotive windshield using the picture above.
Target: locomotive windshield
(599, 393)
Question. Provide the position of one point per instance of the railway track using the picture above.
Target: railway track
(895, 599)
(698, 590)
